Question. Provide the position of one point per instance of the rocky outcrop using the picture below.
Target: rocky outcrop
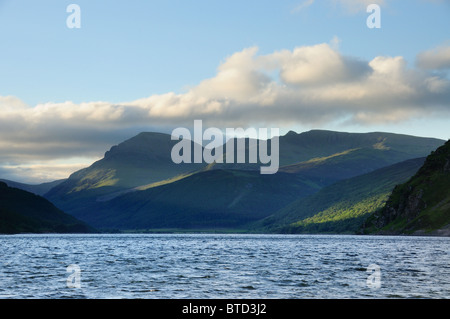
(421, 205)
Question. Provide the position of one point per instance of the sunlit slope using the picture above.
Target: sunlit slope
(343, 206)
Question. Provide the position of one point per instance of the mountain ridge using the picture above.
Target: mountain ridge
(319, 157)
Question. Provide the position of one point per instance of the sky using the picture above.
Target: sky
(68, 94)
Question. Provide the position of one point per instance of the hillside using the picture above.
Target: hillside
(211, 199)
(422, 204)
(24, 212)
(341, 207)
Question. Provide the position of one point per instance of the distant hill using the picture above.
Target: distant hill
(139, 176)
(38, 189)
(422, 204)
(24, 212)
(341, 207)
(296, 148)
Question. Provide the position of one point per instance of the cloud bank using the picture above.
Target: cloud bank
(311, 85)
(438, 58)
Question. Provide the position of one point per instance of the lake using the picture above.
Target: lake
(213, 266)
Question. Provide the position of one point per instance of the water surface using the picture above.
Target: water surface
(223, 266)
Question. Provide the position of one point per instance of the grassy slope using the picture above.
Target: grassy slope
(343, 206)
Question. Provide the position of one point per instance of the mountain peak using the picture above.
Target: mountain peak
(291, 133)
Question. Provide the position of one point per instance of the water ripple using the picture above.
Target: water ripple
(223, 266)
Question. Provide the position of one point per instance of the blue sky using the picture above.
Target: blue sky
(131, 49)
(155, 65)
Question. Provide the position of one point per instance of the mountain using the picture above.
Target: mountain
(24, 212)
(210, 199)
(295, 148)
(38, 189)
(141, 160)
(139, 177)
(422, 204)
(327, 156)
(341, 207)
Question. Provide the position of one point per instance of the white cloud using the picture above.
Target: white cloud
(317, 64)
(313, 85)
(238, 78)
